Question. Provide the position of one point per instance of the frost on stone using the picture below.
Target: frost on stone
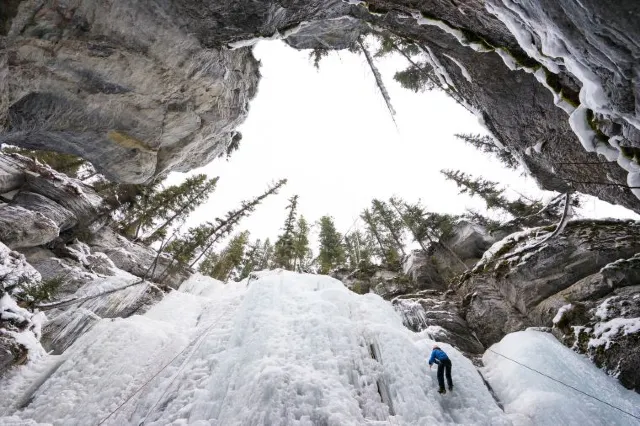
(509, 249)
(17, 324)
(561, 312)
(605, 332)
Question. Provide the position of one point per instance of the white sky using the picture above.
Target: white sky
(329, 133)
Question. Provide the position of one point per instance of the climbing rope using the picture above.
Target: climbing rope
(201, 336)
(567, 385)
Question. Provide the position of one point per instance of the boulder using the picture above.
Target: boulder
(11, 175)
(81, 200)
(62, 217)
(20, 227)
(469, 240)
(426, 271)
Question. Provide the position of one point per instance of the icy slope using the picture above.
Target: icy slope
(283, 349)
(531, 398)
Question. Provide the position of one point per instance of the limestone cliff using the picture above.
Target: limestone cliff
(141, 88)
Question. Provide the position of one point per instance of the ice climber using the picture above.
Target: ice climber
(444, 367)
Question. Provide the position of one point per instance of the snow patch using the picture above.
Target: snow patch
(463, 70)
(531, 398)
(563, 310)
(605, 332)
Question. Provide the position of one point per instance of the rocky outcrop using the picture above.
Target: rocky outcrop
(20, 227)
(44, 204)
(19, 328)
(520, 275)
(137, 259)
(128, 86)
(142, 89)
(437, 314)
(583, 282)
(600, 316)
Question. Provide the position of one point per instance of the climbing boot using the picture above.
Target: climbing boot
(442, 391)
(450, 388)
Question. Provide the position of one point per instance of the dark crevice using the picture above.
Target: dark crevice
(491, 391)
(8, 11)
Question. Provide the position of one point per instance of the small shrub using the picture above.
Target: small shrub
(45, 290)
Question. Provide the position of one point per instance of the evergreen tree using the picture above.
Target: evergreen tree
(378, 78)
(390, 43)
(487, 144)
(491, 194)
(227, 264)
(285, 246)
(391, 221)
(208, 264)
(331, 254)
(317, 55)
(157, 210)
(266, 256)
(71, 165)
(252, 259)
(385, 249)
(301, 250)
(188, 249)
(424, 225)
(359, 249)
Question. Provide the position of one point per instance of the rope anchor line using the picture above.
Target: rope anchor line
(567, 385)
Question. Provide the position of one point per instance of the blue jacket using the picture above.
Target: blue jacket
(437, 355)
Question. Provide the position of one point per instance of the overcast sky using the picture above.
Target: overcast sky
(329, 133)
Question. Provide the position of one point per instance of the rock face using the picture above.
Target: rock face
(74, 283)
(584, 283)
(437, 314)
(125, 85)
(143, 88)
(20, 227)
(136, 259)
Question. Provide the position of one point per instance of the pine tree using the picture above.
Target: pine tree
(71, 165)
(378, 78)
(390, 43)
(391, 221)
(359, 249)
(156, 210)
(317, 55)
(208, 264)
(227, 264)
(491, 194)
(488, 144)
(424, 225)
(266, 256)
(188, 249)
(285, 246)
(331, 253)
(385, 249)
(301, 250)
(252, 259)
